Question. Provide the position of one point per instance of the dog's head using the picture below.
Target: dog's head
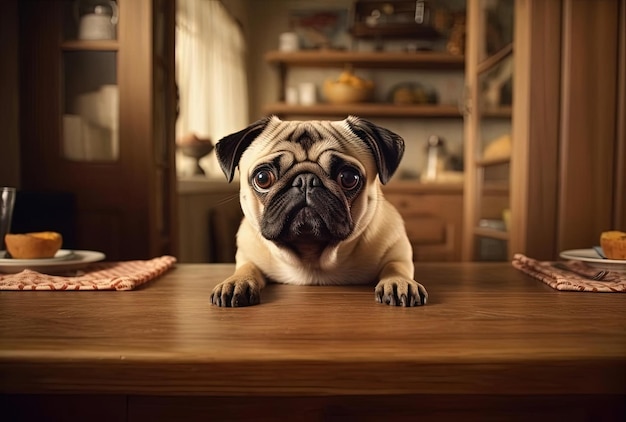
(312, 184)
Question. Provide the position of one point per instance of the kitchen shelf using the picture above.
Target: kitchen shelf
(80, 45)
(340, 58)
(366, 110)
(363, 59)
(490, 162)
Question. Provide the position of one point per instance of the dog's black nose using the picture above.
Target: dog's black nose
(306, 181)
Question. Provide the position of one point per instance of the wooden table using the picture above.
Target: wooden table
(490, 340)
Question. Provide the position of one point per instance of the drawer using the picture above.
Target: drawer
(417, 204)
(433, 223)
(426, 231)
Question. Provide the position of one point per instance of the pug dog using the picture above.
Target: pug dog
(314, 211)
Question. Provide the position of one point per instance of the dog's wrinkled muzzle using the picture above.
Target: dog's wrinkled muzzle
(306, 208)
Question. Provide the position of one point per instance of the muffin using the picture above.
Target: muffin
(613, 244)
(33, 245)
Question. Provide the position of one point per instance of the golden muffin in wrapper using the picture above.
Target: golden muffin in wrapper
(613, 244)
(33, 245)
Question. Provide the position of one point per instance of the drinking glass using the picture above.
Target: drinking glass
(7, 202)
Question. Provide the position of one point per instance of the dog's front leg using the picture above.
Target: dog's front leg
(243, 288)
(397, 288)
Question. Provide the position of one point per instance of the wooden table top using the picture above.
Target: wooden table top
(488, 328)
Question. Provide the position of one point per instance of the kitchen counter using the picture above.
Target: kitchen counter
(490, 339)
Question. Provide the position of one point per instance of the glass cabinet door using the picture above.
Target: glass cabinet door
(494, 64)
(90, 97)
(488, 129)
(495, 30)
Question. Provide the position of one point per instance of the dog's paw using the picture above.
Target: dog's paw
(236, 292)
(400, 292)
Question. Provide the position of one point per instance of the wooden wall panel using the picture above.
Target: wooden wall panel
(619, 217)
(99, 230)
(536, 99)
(9, 102)
(588, 121)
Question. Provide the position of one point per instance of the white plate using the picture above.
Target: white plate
(74, 261)
(591, 257)
(59, 256)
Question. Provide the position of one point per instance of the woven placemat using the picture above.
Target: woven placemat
(572, 277)
(122, 275)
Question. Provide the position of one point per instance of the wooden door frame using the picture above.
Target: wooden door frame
(619, 213)
(589, 168)
(534, 162)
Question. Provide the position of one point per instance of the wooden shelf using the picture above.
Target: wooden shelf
(490, 162)
(491, 233)
(339, 58)
(81, 45)
(491, 61)
(366, 109)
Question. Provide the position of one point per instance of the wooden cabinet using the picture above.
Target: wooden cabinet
(125, 191)
(433, 217)
(566, 172)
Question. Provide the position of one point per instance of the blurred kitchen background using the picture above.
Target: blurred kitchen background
(512, 112)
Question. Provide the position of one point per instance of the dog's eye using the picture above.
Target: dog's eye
(263, 180)
(349, 178)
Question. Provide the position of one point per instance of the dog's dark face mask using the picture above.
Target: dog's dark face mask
(307, 204)
(308, 176)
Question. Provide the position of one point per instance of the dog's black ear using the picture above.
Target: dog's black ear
(386, 146)
(230, 148)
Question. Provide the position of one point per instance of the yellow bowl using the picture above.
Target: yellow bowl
(343, 93)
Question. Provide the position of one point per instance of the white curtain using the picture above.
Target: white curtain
(211, 75)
